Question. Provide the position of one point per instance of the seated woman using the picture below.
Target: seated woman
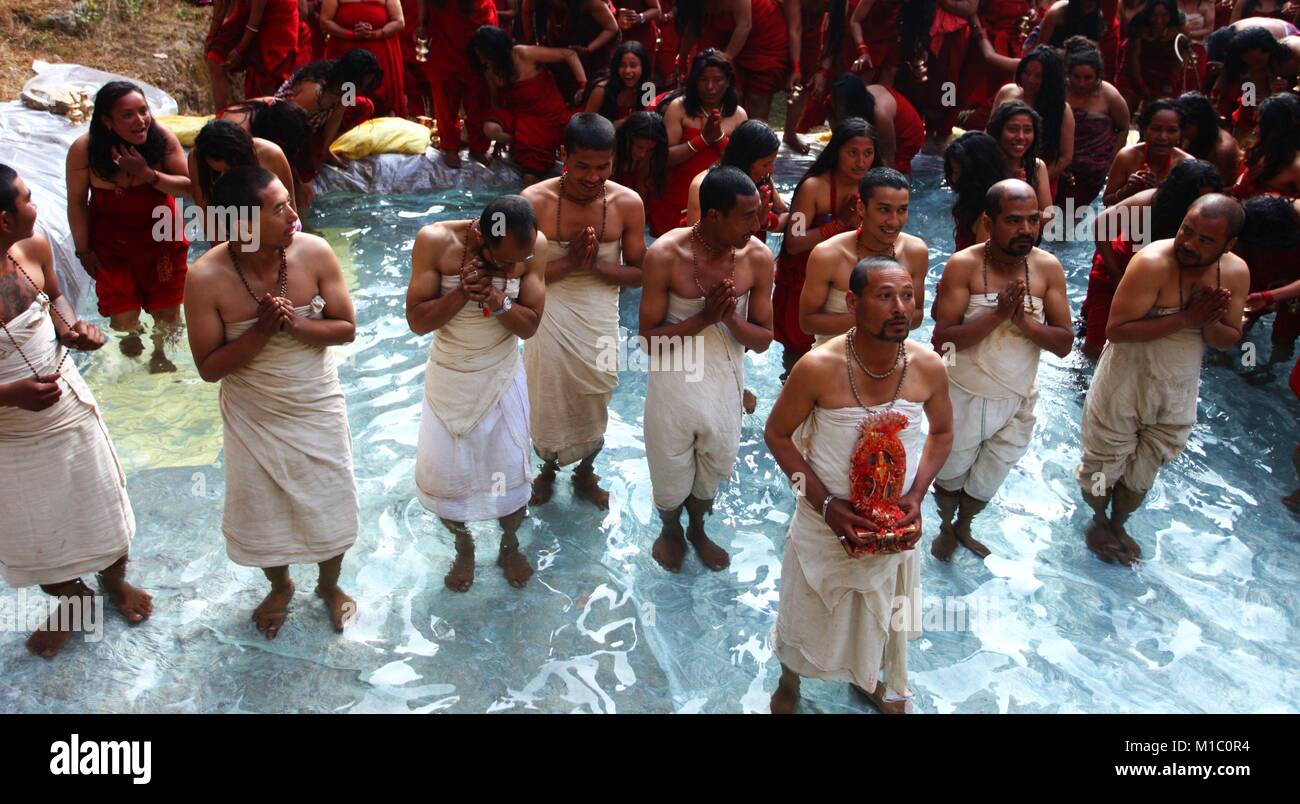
(1017, 129)
(824, 203)
(527, 111)
(1101, 123)
(1152, 68)
(373, 25)
(898, 125)
(641, 155)
(284, 124)
(752, 148)
(1204, 138)
(972, 164)
(1146, 163)
(1040, 82)
(752, 34)
(1272, 164)
(698, 119)
(221, 145)
(1187, 182)
(320, 90)
(626, 86)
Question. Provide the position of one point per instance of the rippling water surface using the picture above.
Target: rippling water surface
(1207, 623)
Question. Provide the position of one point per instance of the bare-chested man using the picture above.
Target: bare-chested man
(837, 617)
(1175, 298)
(261, 322)
(64, 511)
(885, 195)
(477, 287)
(707, 297)
(588, 221)
(999, 304)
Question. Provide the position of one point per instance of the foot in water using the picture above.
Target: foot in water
(945, 544)
(451, 159)
(543, 487)
(713, 556)
(670, 548)
(342, 609)
(159, 364)
(1101, 540)
(131, 345)
(515, 566)
(587, 486)
(878, 700)
(961, 530)
(49, 639)
(461, 576)
(273, 610)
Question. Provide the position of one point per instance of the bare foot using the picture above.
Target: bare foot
(451, 159)
(1132, 550)
(159, 364)
(461, 577)
(749, 401)
(50, 638)
(945, 544)
(273, 610)
(131, 345)
(1101, 540)
(135, 604)
(543, 488)
(516, 567)
(342, 608)
(962, 534)
(796, 144)
(877, 699)
(713, 556)
(670, 548)
(785, 698)
(586, 485)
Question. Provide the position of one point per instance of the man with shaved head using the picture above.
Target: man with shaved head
(999, 304)
(1176, 297)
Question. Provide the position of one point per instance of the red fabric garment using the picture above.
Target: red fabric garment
(1101, 292)
(1001, 18)
(1161, 69)
(950, 55)
(273, 53)
(763, 64)
(787, 287)
(1110, 38)
(136, 271)
(564, 32)
(646, 33)
(666, 53)
(964, 238)
(1094, 148)
(665, 210)
(811, 42)
(880, 33)
(909, 133)
(534, 112)
(1270, 269)
(390, 95)
(452, 82)
(415, 78)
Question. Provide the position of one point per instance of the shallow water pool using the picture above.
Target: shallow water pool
(1207, 623)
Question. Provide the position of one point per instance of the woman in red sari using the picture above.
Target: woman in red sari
(589, 27)
(624, 88)
(449, 25)
(752, 34)
(264, 46)
(640, 21)
(1153, 69)
(876, 40)
(373, 25)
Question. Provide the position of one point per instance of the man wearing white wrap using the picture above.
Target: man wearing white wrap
(1176, 297)
(998, 305)
(477, 287)
(707, 297)
(588, 220)
(63, 505)
(839, 617)
(261, 322)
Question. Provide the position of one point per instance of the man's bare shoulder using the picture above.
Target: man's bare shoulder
(912, 246)
(927, 362)
(208, 269)
(825, 360)
(960, 264)
(1047, 261)
(1234, 268)
(310, 246)
(756, 253)
(542, 192)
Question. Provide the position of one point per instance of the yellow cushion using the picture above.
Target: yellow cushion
(185, 127)
(383, 135)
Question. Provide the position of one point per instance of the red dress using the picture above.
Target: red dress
(787, 287)
(390, 95)
(534, 112)
(452, 82)
(136, 271)
(1001, 18)
(666, 53)
(880, 33)
(274, 52)
(1161, 68)
(666, 209)
(415, 77)
(951, 58)
(1101, 292)
(1270, 269)
(909, 133)
(763, 64)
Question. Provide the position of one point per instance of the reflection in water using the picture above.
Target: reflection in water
(1207, 624)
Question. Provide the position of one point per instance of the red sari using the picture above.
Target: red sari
(909, 133)
(665, 210)
(791, 272)
(390, 95)
(646, 32)
(535, 113)
(274, 53)
(1001, 18)
(665, 55)
(1101, 292)
(451, 80)
(763, 64)
(136, 270)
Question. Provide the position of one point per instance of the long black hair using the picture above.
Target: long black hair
(998, 121)
(833, 41)
(223, 141)
(851, 97)
(284, 123)
(1078, 22)
(1143, 19)
(643, 126)
(1150, 111)
(491, 46)
(751, 141)
(829, 159)
(1244, 41)
(541, 18)
(712, 57)
(1187, 182)
(1279, 120)
(102, 138)
(1198, 111)
(980, 165)
(1271, 223)
(614, 84)
(1050, 102)
(914, 21)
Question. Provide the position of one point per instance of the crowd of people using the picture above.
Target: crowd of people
(652, 116)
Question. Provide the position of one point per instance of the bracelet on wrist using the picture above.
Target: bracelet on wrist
(863, 49)
(826, 504)
(254, 30)
(1268, 297)
(698, 143)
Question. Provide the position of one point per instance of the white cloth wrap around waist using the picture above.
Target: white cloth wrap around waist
(835, 305)
(472, 361)
(1005, 363)
(290, 495)
(571, 360)
(64, 511)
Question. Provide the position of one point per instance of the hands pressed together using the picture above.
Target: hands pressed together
(276, 314)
